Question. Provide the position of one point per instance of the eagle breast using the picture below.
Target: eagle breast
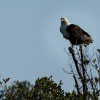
(64, 32)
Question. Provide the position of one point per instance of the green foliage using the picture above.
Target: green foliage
(44, 89)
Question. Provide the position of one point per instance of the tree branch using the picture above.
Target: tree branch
(76, 84)
(71, 50)
(84, 83)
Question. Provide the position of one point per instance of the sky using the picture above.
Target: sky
(31, 44)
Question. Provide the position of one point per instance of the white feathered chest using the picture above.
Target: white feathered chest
(63, 31)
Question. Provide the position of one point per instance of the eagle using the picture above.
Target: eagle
(75, 34)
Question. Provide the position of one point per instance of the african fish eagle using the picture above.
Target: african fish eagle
(74, 33)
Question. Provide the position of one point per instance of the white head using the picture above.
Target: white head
(65, 20)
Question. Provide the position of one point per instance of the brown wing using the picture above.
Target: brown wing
(79, 34)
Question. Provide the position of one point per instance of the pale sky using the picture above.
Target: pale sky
(31, 44)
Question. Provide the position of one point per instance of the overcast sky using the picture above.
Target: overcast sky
(31, 44)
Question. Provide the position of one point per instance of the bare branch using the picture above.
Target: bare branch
(71, 50)
(77, 85)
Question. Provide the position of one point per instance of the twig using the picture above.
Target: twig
(76, 84)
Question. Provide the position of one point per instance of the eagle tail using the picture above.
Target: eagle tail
(87, 39)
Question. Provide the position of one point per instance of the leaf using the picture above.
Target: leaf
(0, 82)
(6, 80)
(94, 60)
(96, 79)
(98, 50)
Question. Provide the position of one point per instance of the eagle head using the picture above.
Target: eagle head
(65, 20)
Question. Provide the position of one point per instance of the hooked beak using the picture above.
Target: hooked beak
(62, 19)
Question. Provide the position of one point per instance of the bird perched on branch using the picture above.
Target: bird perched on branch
(74, 33)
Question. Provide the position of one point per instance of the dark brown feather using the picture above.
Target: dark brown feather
(78, 35)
